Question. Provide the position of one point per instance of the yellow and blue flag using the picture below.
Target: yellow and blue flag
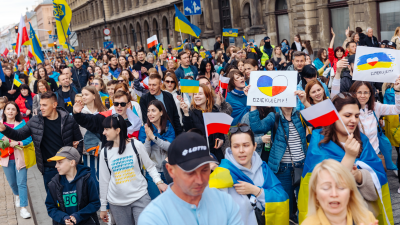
(368, 160)
(63, 14)
(71, 48)
(36, 45)
(276, 199)
(103, 97)
(159, 49)
(14, 46)
(189, 86)
(17, 82)
(180, 47)
(230, 32)
(183, 25)
(374, 61)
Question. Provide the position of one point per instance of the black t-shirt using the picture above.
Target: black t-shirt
(67, 101)
(52, 140)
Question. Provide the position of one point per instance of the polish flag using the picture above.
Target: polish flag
(145, 83)
(223, 82)
(321, 114)
(5, 53)
(152, 41)
(22, 36)
(217, 122)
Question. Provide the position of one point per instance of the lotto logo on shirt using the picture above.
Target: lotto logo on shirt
(123, 170)
(70, 198)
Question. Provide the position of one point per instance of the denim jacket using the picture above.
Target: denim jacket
(279, 145)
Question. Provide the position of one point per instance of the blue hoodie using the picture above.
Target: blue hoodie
(70, 197)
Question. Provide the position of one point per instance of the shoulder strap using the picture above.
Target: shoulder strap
(287, 143)
(137, 156)
(380, 128)
(303, 122)
(105, 159)
(275, 126)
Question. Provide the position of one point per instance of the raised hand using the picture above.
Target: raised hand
(185, 108)
(333, 33)
(397, 84)
(352, 146)
(78, 106)
(246, 89)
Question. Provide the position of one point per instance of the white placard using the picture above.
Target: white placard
(272, 88)
(376, 64)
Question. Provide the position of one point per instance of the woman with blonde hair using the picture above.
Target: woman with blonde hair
(396, 38)
(334, 197)
(278, 58)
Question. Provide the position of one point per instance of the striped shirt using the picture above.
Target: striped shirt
(295, 146)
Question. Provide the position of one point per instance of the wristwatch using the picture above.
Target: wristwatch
(160, 182)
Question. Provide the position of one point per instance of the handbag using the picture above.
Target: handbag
(260, 214)
(297, 172)
(385, 147)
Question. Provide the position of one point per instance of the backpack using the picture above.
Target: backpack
(137, 156)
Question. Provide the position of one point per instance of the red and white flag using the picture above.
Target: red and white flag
(321, 114)
(152, 41)
(223, 82)
(5, 53)
(217, 122)
(22, 36)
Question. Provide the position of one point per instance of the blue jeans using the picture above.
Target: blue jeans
(17, 181)
(49, 173)
(92, 162)
(284, 175)
(152, 187)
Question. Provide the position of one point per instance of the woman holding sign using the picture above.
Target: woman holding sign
(289, 146)
(236, 96)
(203, 101)
(343, 142)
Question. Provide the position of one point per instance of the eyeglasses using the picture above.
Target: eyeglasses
(363, 93)
(121, 81)
(91, 83)
(170, 82)
(96, 84)
(123, 104)
(243, 129)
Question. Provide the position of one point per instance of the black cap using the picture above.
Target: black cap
(266, 38)
(392, 44)
(189, 151)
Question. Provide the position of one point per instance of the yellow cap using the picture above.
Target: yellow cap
(56, 158)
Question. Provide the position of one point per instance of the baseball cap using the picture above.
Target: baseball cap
(67, 152)
(189, 151)
(266, 38)
(392, 44)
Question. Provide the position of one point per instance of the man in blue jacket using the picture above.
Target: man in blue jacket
(185, 69)
(79, 75)
(72, 197)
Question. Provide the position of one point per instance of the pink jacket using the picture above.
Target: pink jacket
(19, 157)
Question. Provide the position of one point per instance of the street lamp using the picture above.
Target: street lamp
(16, 29)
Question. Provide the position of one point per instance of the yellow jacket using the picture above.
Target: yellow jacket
(320, 219)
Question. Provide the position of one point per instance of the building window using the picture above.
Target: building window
(340, 22)
(282, 20)
(389, 19)
(225, 14)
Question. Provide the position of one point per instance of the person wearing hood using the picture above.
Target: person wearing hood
(266, 50)
(171, 85)
(289, 146)
(254, 185)
(156, 135)
(309, 73)
(72, 197)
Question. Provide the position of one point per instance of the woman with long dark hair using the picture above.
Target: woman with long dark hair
(157, 134)
(236, 96)
(322, 62)
(338, 54)
(25, 102)
(42, 87)
(297, 44)
(122, 183)
(207, 69)
(43, 75)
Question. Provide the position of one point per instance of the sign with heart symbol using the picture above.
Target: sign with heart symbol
(272, 86)
(372, 61)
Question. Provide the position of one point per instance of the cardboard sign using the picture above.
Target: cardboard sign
(272, 88)
(376, 64)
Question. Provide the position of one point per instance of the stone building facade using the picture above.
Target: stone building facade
(132, 21)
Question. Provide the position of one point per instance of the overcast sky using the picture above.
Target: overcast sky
(11, 10)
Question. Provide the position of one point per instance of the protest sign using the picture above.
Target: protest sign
(272, 88)
(376, 64)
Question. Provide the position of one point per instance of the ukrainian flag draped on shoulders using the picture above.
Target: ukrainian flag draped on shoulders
(276, 199)
(368, 160)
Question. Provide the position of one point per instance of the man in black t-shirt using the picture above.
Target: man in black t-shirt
(51, 129)
(67, 91)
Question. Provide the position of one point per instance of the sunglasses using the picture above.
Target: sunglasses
(123, 104)
(243, 129)
(170, 82)
(121, 81)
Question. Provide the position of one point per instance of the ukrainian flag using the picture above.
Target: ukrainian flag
(103, 97)
(276, 199)
(71, 48)
(14, 46)
(159, 49)
(189, 86)
(17, 82)
(367, 160)
(36, 45)
(183, 25)
(63, 14)
(374, 61)
(180, 47)
(230, 32)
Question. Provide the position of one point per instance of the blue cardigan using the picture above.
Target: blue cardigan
(279, 146)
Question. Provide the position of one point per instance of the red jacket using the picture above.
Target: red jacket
(332, 58)
(20, 101)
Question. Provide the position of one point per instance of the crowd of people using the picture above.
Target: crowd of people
(112, 133)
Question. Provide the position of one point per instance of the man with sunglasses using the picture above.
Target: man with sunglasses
(122, 106)
(79, 75)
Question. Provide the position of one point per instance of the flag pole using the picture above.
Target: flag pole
(205, 126)
(340, 118)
